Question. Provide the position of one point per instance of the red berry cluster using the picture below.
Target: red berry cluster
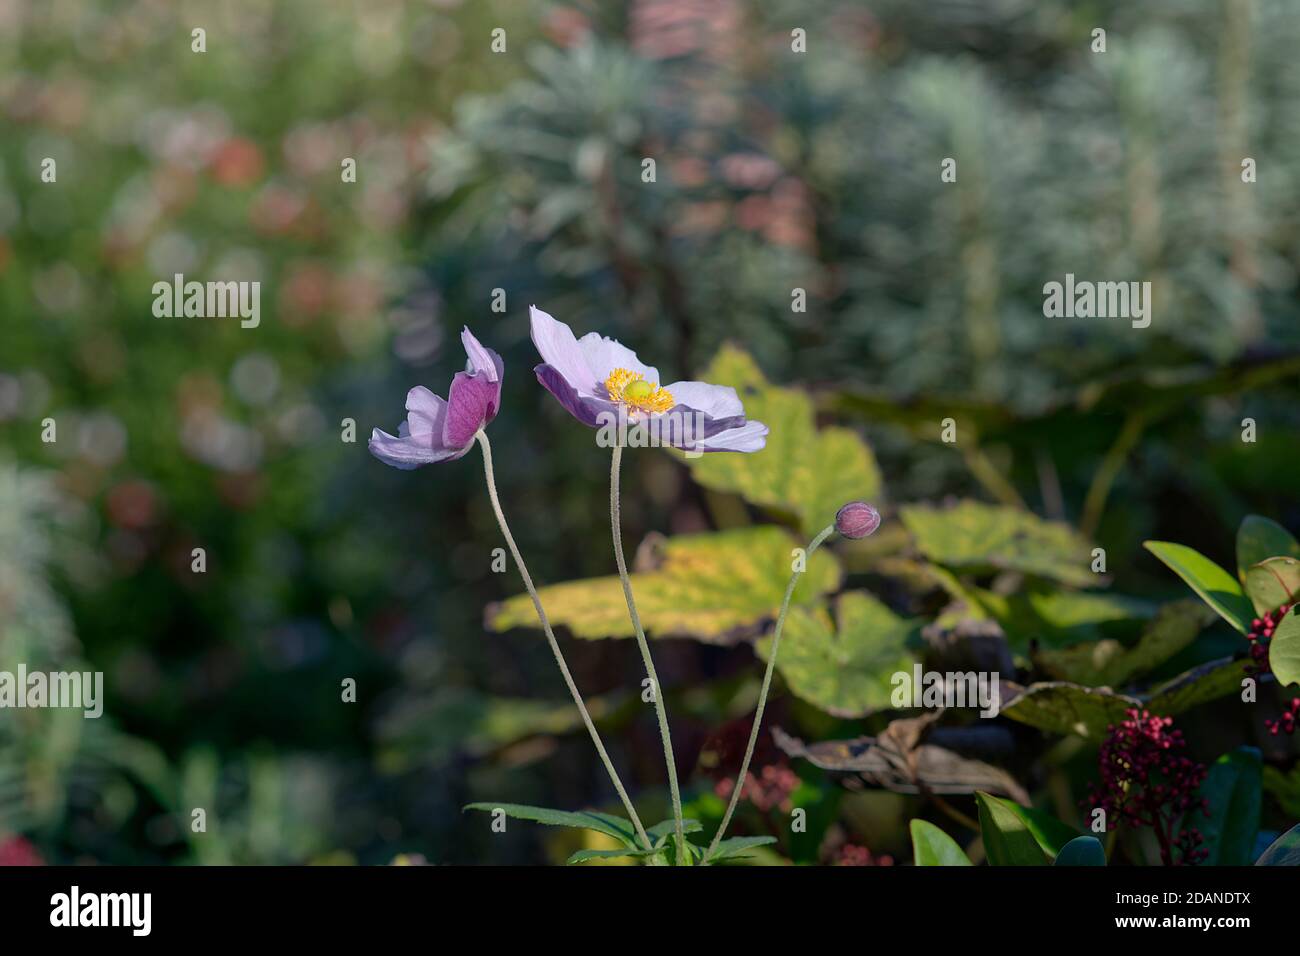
(1147, 782)
(770, 789)
(1288, 720)
(1260, 635)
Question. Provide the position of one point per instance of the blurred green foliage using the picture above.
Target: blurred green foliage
(523, 171)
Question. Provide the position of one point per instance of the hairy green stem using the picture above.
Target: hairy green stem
(550, 637)
(615, 521)
(767, 684)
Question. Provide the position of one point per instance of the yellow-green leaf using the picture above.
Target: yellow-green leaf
(802, 472)
(844, 666)
(973, 536)
(716, 587)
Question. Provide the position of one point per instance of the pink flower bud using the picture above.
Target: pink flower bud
(857, 519)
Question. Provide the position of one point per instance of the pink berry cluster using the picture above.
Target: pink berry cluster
(1260, 635)
(850, 854)
(1147, 782)
(770, 789)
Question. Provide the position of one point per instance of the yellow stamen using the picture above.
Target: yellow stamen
(635, 392)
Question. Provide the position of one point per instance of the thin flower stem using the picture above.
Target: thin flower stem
(550, 637)
(615, 520)
(767, 684)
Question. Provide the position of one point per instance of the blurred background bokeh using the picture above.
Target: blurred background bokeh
(517, 177)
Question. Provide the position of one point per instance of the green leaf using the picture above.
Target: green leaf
(1050, 833)
(734, 847)
(663, 829)
(1051, 618)
(1063, 610)
(694, 852)
(1259, 539)
(1007, 838)
(1233, 789)
(1109, 663)
(976, 537)
(1202, 683)
(1284, 649)
(584, 856)
(606, 823)
(714, 587)
(1284, 851)
(932, 847)
(1082, 851)
(1063, 708)
(843, 666)
(1272, 583)
(1216, 586)
(802, 472)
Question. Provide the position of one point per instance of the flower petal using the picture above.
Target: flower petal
(425, 412)
(717, 401)
(481, 359)
(685, 427)
(603, 355)
(408, 451)
(471, 403)
(585, 408)
(559, 350)
(749, 437)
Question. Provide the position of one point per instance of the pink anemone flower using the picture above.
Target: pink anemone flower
(437, 430)
(601, 382)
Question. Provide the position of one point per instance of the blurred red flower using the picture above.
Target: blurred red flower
(15, 851)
